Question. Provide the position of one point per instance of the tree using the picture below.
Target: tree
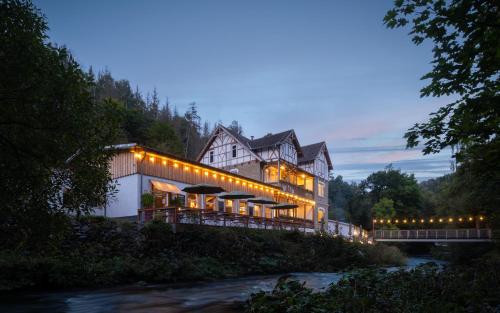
(466, 37)
(53, 133)
(402, 188)
(384, 209)
(466, 64)
(162, 137)
(236, 127)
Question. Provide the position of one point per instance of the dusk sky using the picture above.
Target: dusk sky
(330, 70)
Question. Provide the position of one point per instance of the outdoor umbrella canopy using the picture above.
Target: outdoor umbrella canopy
(262, 200)
(284, 206)
(236, 195)
(202, 189)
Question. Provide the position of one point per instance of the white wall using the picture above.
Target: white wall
(126, 200)
(222, 147)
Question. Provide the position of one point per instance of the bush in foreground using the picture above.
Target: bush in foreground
(424, 289)
(96, 251)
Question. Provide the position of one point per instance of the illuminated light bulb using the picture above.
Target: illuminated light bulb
(138, 155)
(152, 159)
(381, 221)
(196, 170)
(303, 175)
(481, 218)
(413, 221)
(405, 221)
(421, 221)
(267, 189)
(164, 162)
(261, 188)
(176, 165)
(206, 173)
(440, 220)
(431, 220)
(470, 218)
(186, 168)
(237, 181)
(222, 178)
(214, 175)
(375, 221)
(282, 167)
(388, 221)
(460, 219)
(250, 185)
(397, 221)
(244, 183)
(230, 179)
(450, 220)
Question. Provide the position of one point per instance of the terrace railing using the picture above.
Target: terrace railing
(434, 235)
(185, 215)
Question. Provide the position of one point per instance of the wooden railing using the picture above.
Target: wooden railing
(479, 234)
(182, 215)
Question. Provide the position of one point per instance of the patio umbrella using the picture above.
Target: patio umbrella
(233, 195)
(284, 206)
(262, 200)
(203, 189)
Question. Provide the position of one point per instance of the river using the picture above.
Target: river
(206, 297)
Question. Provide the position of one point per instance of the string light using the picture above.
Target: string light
(186, 167)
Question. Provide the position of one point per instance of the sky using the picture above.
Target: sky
(330, 70)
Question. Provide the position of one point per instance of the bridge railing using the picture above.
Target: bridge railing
(433, 234)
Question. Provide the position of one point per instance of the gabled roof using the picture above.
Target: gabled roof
(244, 141)
(310, 152)
(275, 139)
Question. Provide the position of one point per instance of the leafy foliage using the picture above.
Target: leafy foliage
(52, 132)
(356, 201)
(97, 251)
(466, 65)
(424, 289)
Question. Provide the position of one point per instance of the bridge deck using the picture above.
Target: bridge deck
(433, 235)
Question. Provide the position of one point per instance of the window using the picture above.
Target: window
(271, 174)
(235, 152)
(321, 189)
(211, 156)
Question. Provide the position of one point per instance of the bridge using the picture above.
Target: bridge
(433, 235)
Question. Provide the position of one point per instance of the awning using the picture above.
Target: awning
(158, 185)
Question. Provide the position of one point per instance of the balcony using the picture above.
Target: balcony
(297, 190)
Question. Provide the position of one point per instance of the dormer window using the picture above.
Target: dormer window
(235, 151)
(211, 156)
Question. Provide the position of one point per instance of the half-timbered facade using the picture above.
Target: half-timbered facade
(275, 159)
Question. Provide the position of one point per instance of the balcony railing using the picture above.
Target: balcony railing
(185, 215)
(295, 189)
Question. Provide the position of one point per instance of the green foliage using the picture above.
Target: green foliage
(52, 133)
(147, 200)
(357, 200)
(424, 289)
(97, 251)
(384, 209)
(466, 64)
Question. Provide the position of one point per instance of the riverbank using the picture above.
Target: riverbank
(98, 252)
(427, 288)
(228, 295)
